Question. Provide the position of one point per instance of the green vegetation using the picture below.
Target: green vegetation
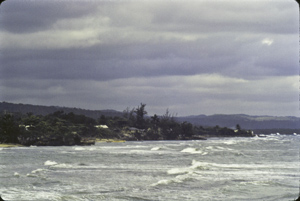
(60, 128)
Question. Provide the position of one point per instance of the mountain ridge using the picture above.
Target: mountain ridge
(245, 121)
(44, 110)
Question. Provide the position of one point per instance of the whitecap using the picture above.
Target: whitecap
(229, 142)
(178, 171)
(223, 148)
(63, 165)
(31, 175)
(185, 177)
(168, 181)
(155, 149)
(162, 182)
(191, 150)
(16, 174)
(177, 179)
(196, 165)
(49, 163)
(257, 183)
(79, 148)
(199, 165)
(37, 171)
(209, 148)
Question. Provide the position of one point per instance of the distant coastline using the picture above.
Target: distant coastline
(62, 128)
(259, 124)
(26, 125)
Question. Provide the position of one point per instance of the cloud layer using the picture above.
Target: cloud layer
(193, 57)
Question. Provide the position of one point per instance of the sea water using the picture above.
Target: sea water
(216, 169)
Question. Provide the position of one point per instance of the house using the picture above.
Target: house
(101, 126)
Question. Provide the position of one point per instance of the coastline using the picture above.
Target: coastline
(10, 145)
(109, 140)
(90, 142)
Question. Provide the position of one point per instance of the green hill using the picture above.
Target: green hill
(44, 110)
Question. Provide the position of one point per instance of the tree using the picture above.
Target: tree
(102, 120)
(129, 115)
(167, 116)
(9, 129)
(155, 120)
(30, 120)
(140, 112)
(187, 129)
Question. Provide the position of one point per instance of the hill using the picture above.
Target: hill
(245, 121)
(44, 110)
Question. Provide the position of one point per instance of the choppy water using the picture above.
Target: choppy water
(217, 169)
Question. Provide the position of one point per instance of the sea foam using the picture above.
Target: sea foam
(79, 148)
(193, 151)
(178, 171)
(49, 163)
(16, 174)
(155, 149)
(37, 171)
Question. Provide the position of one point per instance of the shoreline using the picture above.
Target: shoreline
(90, 142)
(110, 140)
(103, 140)
(10, 145)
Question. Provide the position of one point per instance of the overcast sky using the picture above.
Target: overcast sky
(192, 57)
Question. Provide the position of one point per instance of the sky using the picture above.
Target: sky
(191, 57)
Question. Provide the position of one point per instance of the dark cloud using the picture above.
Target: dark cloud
(214, 55)
(168, 54)
(18, 16)
(225, 16)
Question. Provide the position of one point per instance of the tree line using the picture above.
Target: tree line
(60, 128)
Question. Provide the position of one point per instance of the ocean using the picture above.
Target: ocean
(227, 169)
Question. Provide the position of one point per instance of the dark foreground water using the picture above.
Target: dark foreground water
(264, 169)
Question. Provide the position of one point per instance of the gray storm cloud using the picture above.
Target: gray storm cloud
(168, 54)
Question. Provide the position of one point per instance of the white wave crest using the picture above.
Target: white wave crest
(63, 165)
(199, 165)
(229, 142)
(162, 182)
(177, 179)
(31, 175)
(79, 148)
(155, 149)
(191, 150)
(178, 171)
(16, 174)
(258, 183)
(185, 177)
(167, 182)
(210, 148)
(37, 171)
(49, 163)
(196, 165)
